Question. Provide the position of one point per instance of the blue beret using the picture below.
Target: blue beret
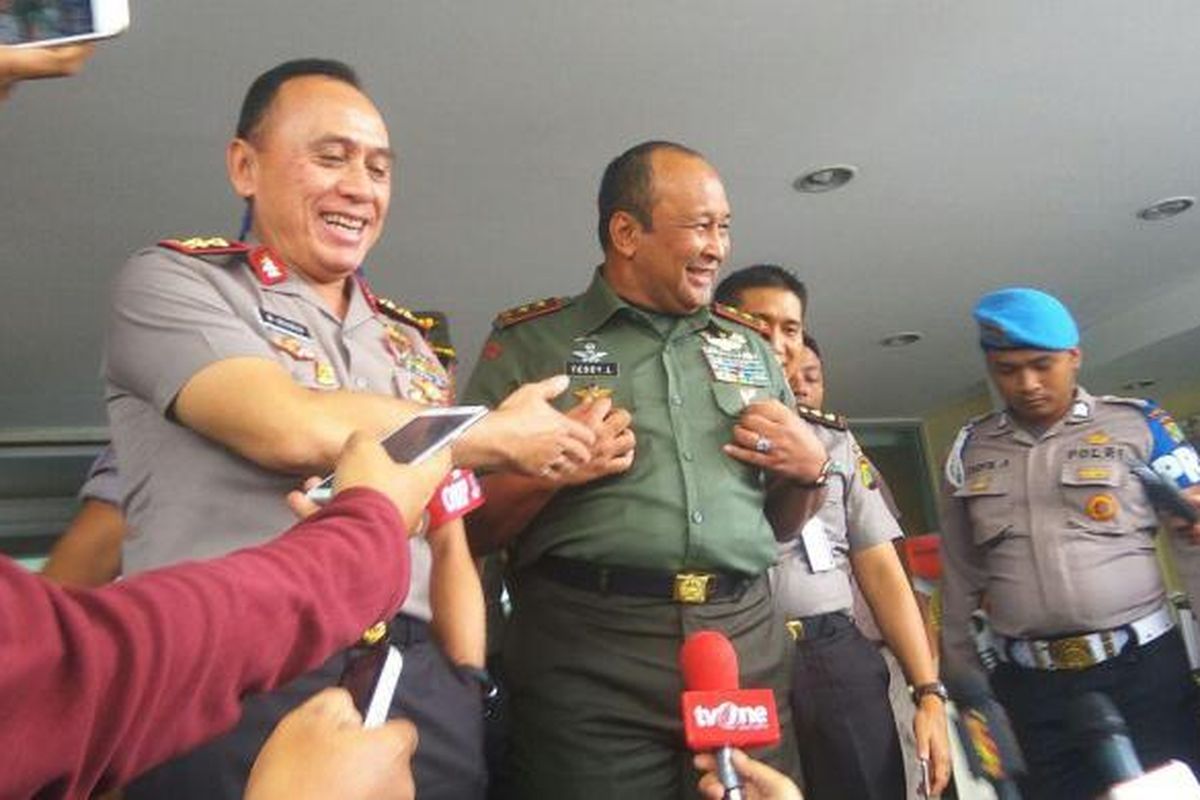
(1011, 319)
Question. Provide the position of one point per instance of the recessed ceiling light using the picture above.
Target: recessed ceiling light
(1141, 383)
(901, 339)
(1165, 209)
(825, 179)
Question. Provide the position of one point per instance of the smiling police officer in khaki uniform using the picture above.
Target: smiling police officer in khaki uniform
(234, 370)
(1045, 524)
(664, 532)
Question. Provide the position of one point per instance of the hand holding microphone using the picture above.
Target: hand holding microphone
(717, 715)
(759, 782)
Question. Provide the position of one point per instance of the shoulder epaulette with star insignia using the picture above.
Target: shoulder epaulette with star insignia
(818, 417)
(393, 311)
(528, 311)
(737, 315)
(205, 246)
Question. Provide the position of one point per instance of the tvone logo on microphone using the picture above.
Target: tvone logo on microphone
(730, 716)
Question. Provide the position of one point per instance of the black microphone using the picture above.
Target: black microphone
(1100, 730)
(986, 734)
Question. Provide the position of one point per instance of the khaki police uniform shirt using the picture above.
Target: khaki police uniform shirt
(685, 380)
(174, 314)
(813, 573)
(1054, 530)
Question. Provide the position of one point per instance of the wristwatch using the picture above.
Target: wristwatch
(935, 688)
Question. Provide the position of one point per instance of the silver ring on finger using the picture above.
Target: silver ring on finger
(762, 445)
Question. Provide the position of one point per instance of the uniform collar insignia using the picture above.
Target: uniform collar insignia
(267, 266)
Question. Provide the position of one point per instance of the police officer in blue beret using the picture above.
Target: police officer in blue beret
(1045, 525)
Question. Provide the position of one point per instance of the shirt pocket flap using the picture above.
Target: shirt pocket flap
(989, 505)
(1083, 473)
(985, 484)
(733, 398)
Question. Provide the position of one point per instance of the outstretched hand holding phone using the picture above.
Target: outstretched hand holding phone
(364, 462)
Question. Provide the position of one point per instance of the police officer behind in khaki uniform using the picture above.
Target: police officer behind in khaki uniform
(840, 705)
(663, 532)
(1045, 525)
(234, 370)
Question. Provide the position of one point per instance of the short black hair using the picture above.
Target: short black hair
(628, 185)
(266, 86)
(761, 276)
(811, 344)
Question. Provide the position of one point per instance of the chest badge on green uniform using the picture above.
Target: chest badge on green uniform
(592, 392)
(588, 362)
(732, 360)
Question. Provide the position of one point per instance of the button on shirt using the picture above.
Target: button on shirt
(684, 502)
(174, 314)
(853, 517)
(1054, 529)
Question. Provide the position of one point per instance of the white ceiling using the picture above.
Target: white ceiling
(997, 143)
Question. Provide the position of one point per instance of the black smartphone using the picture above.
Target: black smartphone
(371, 676)
(1164, 494)
(416, 440)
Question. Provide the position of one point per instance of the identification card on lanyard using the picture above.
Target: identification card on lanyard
(816, 546)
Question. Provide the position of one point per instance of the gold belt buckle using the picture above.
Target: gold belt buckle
(796, 629)
(692, 587)
(1071, 653)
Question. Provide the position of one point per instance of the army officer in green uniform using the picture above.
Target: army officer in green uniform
(666, 530)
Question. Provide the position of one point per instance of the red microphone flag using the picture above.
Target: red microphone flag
(716, 712)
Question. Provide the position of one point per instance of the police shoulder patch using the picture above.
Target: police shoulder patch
(393, 310)
(825, 418)
(205, 246)
(528, 311)
(737, 315)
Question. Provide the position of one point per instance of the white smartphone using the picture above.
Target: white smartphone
(417, 439)
(43, 23)
(371, 676)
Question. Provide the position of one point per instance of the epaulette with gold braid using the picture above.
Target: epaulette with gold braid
(393, 311)
(737, 315)
(826, 418)
(524, 313)
(205, 246)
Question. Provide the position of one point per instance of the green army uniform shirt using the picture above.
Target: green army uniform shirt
(684, 504)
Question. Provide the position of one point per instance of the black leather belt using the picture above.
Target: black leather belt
(818, 626)
(691, 586)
